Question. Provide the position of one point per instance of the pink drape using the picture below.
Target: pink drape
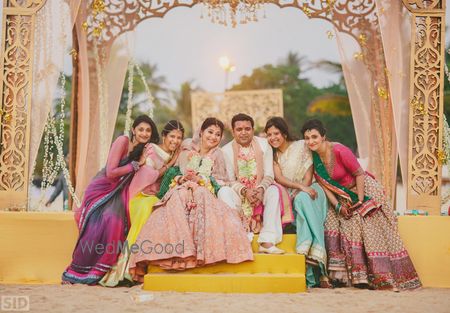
(395, 25)
(368, 90)
(94, 129)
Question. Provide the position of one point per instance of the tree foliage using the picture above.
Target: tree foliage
(299, 94)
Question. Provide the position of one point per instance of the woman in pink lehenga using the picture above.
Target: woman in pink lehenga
(190, 227)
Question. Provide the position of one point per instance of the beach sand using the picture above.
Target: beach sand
(79, 298)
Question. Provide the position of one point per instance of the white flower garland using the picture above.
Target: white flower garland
(130, 98)
(147, 90)
(132, 66)
(54, 164)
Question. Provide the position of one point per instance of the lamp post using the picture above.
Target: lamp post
(226, 65)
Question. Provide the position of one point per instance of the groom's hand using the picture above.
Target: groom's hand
(259, 194)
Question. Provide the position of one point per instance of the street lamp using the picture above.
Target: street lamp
(226, 65)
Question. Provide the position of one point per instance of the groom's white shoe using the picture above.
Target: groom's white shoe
(272, 250)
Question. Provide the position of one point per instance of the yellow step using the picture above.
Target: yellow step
(288, 243)
(263, 263)
(225, 283)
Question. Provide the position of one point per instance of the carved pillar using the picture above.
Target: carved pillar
(16, 68)
(427, 104)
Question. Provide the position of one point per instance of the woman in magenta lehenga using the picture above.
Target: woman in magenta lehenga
(190, 227)
(361, 234)
(103, 218)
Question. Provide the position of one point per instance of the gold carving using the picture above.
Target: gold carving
(15, 85)
(259, 104)
(425, 117)
(424, 5)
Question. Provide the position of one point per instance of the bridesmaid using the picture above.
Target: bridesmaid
(361, 234)
(293, 169)
(103, 218)
(160, 157)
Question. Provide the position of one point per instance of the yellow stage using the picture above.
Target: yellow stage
(36, 247)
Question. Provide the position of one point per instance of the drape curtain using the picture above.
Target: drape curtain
(367, 78)
(96, 124)
(51, 44)
(395, 25)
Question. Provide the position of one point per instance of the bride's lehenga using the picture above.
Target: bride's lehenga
(190, 227)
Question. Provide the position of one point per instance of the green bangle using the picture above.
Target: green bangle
(338, 207)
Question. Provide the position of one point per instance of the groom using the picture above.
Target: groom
(249, 162)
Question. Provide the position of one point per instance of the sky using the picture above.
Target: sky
(186, 47)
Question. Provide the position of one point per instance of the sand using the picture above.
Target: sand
(78, 298)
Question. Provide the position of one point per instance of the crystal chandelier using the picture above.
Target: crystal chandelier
(225, 12)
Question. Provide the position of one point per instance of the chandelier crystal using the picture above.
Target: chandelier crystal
(226, 12)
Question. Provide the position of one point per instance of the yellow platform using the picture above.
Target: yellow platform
(37, 247)
(263, 263)
(267, 273)
(228, 283)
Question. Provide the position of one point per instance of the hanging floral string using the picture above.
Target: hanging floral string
(130, 98)
(147, 90)
(55, 138)
(132, 66)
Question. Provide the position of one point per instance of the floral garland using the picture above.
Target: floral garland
(130, 98)
(201, 166)
(53, 164)
(131, 72)
(246, 163)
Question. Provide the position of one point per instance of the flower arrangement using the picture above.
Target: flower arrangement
(246, 163)
(198, 171)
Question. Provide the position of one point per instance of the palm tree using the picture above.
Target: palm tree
(184, 105)
(331, 67)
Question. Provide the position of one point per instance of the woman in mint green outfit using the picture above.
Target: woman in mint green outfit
(293, 169)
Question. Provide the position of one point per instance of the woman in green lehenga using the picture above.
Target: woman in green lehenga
(293, 169)
(162, 158)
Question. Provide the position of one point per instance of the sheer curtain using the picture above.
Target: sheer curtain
(98, 101)
(52, 43)
(367, 84)
(395, 25)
